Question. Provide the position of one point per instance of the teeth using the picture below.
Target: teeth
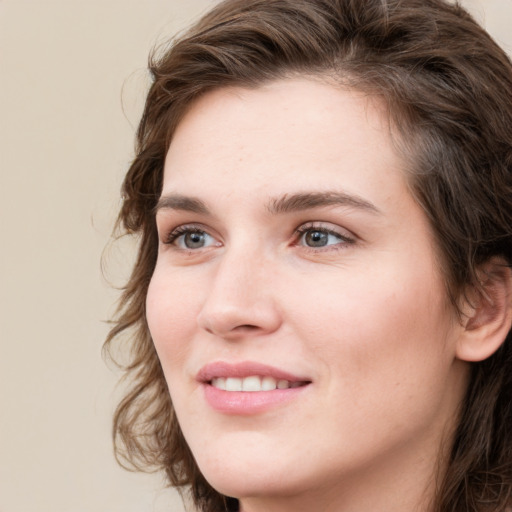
(219, 382)
(233, 384)
(252, 383)
(268, 384)
(283, 384)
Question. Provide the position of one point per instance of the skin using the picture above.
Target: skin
(365, 317)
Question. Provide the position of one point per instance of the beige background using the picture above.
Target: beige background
(66, 67)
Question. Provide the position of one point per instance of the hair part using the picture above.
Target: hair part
(448, 90)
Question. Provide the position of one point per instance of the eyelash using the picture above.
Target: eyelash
(310, 227)
(185, 229)
(300, 232)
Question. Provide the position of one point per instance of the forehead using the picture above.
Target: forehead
(285, 129)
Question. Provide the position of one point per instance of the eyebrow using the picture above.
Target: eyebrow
(310, 200)
(285, 204)
(179, 202)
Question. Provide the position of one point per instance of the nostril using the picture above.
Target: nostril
(246, 327)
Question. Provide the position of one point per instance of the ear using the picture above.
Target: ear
(487, 314)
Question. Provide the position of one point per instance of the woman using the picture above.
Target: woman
(321, 306)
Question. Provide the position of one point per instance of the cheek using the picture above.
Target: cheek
(378, 327)
(384, 355)
(171, 310)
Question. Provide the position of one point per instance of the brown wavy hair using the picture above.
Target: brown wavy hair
(448, 88)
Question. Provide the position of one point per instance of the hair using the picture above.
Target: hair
(448, 89)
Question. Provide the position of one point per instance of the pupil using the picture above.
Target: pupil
(194, 240)
(316, 238)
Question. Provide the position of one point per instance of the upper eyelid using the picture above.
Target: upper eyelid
(326, 226)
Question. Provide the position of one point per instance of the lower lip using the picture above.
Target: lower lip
(245, 403)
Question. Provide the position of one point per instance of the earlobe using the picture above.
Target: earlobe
(488, 313)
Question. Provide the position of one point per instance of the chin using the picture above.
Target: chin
(252, 483)
(251, 473)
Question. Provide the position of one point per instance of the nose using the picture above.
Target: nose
(240, 301)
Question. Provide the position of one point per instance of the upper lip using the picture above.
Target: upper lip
(245, 369)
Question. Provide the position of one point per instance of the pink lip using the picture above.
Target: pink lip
(247, 403)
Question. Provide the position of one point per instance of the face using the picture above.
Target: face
(297, 305)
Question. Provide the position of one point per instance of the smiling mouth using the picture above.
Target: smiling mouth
(254, 383)
(249, 388)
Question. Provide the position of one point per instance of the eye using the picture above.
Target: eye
(190, 238)
(317, 237)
